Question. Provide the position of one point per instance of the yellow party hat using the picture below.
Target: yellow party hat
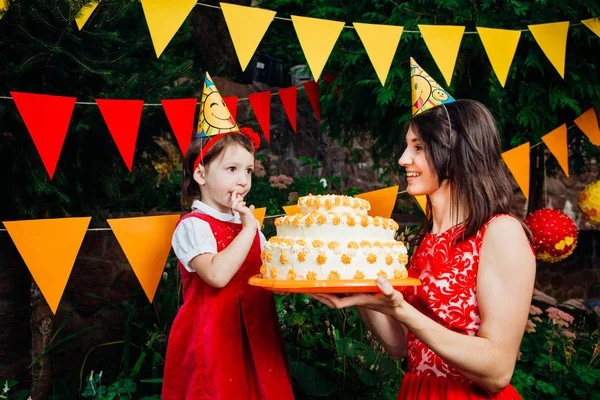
(214, 117)
(426, 92)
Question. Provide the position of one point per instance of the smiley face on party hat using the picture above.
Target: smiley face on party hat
(214, 118)
(426, 92)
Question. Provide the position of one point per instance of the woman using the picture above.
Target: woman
(461, 329)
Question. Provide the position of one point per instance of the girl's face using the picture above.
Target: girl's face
(422, 180)
(230, 173)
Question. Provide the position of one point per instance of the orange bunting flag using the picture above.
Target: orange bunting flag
(244, 35)
(123, 120)
(259, 214)
(47, 119)
(557, 144)
(164, 17)
(588, 123)
(291, 210)
(146, 242)
(181, 116)
(317, 38)
(261, 104)
(422, 200)
(85, 13)
(500, 46)
(517, 161)
(288, 98)
(552, 38)
(443, 41)
(382, 201)
(311, 88)
(49, 248)
(593, 25)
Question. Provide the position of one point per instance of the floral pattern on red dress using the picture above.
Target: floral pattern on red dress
(447, 294)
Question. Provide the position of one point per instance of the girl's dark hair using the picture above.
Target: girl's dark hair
(462, 146)
(190, 190)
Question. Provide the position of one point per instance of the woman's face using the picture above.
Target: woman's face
(421, 179)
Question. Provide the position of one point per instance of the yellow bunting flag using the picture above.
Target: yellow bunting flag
(259, 214)
(146, 242)
(3, 7)
(85, 13)
(291, 210)
(552, 38)
(317, 38)
(422, 200)
(164, 17)
(247, 26)
(381, 42)
(517, 161)
(588, 123)
(557, 143)
(500, 46)
(593, 24)
(443, 41)
(49, 248)
(382, 201)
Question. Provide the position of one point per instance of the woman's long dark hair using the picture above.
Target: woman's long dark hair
(190, 190)
(462, 146)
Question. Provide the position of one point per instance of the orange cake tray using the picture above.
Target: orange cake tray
(328, 286)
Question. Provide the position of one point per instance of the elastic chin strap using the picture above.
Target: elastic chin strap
(450, 139)
(204, 149)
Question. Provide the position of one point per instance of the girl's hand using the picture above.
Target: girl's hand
(389, 302)
(246, 213)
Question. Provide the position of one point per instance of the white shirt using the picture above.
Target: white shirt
(193, 236)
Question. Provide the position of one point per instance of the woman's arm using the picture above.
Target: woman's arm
(389, 331)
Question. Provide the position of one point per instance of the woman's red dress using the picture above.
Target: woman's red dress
(226, 343)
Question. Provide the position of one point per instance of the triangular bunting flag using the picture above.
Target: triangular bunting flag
(517, 161)
(47, 119)
(181, 116)
(552, 38)
(291, 210)
(500, 46)
(247, 26)
(146, 242)
(288, 97)
(329, 78)
(381, 42)
(122, 118)
(164, 17)
(49, 248)
(261, 104)
(557, 144)
(312, 91)
(85, 13)
(593, 24)
(3, 7)
(317, 38)
(231, 102)
(588, 123)
(259, 214)
(422, 200)
(382, 201)
(443, 41)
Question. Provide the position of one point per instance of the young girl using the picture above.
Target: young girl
(461, 328)
(225, 342)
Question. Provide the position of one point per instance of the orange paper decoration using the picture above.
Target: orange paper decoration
(382, 201)
(588, 123)
(49, 248)
(517, 161)
(557, 143)
(259, 214)
(291, 210)
(146, 242)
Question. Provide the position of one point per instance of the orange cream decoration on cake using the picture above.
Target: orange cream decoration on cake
(334, 238)
(263, 270)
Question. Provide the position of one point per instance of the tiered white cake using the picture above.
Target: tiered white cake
(332, 238)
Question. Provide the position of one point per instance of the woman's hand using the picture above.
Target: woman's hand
(246, 213)
(389, 301)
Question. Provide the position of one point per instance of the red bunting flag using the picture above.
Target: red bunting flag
(288, 97)
(181, 114)
(312, 91)
(231, 103)
(261, 104)
(329, 78)
(122, 118)
(47, 119)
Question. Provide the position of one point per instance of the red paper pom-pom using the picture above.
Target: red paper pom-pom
(253, 136)
(554, 234)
